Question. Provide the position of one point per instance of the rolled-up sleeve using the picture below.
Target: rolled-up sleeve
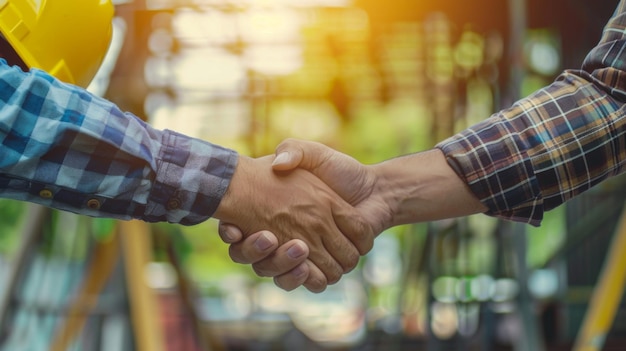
(554, 144)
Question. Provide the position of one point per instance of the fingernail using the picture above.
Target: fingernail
(228, 235)
(263, 242)
(282, 158)
(298, 271)
(296, 251)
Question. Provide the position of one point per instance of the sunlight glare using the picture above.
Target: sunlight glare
(209, 69)
(204, 28)
(273, 25)
(274, 59)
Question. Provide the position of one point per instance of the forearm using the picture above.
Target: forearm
(67, 149)
(546, 149)
(422, 187)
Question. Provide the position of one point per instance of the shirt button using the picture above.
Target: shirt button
(173, 204)
(45, 193)
(93, 204)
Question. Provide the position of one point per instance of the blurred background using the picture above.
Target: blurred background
(374, 79)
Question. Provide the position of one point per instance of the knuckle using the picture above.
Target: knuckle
(260, 270)
(329, 267)
(267, 268)
(351, 262)
(278, 282)
(333, 277)
(284, 283)
(365, 241)
(366, 246)
(281, 284)
(223, 235)
(235, 254)
(315, 285)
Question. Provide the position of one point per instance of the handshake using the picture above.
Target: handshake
(305, 215)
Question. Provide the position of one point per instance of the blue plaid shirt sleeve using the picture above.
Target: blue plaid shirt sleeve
(555, 144)
(67, 149)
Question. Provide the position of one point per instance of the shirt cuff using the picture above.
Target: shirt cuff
(192, 177)
(494, 165)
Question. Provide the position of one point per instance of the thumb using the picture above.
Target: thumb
(293, 153)
(342, 173)
(286, 160)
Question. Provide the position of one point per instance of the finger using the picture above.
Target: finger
(353, 227)
(254, 248)
(229, 233)
(286, 258)
(333, 254)
(331, 251)
(294, 278)
(325, 262)
(338, 244)
(343, 252)
(316, 280)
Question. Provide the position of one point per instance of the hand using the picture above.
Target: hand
(293, 205)
(408, 189)
(350, 179)
(262, 249)
(414, 188)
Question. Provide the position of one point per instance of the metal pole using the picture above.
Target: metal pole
(518, 20)
(607, 294)
(531, 340)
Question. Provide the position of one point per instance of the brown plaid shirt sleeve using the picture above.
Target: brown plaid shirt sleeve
(554, 144)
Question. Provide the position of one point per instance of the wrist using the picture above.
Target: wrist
(423, 187)
(238, 190)
(399, 190)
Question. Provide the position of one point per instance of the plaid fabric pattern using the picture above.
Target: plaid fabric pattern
(554, 144)
(65, 148)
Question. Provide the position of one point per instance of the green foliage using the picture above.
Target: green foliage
(102, 228)
(379, 132)
(11, 214)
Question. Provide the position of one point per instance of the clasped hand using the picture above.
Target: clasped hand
(303, 217)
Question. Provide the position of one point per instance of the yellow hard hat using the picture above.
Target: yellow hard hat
(66, 38)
